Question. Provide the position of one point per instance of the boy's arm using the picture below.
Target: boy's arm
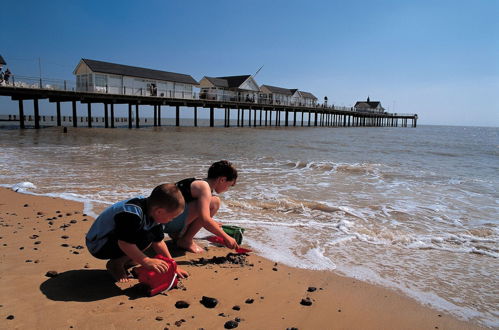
(161, 248)
(134, 253)
(201, 190)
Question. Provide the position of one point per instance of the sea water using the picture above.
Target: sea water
(414, 209)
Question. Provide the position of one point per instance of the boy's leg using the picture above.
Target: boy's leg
(116, 267)
(194, 224)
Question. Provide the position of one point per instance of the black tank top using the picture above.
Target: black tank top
(185, 188)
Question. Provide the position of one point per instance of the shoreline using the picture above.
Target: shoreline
(42, 234)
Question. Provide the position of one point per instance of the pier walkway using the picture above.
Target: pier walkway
(253, 114)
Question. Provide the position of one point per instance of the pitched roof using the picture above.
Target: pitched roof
(133, 71)
(217, 82)
(364, 104)
(278, 90)
(307, 95)
(2, 61)
(229, 81)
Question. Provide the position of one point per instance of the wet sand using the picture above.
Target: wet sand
(50, 281)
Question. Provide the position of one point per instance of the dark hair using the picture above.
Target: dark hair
(222, 168)
(166, 196)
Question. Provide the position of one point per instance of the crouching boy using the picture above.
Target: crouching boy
(124, 230)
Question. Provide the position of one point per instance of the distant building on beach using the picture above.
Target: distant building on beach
(369, 106)
(105, 77)
(231, 88)
(285, 96)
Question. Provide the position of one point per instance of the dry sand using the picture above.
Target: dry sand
(43, 234)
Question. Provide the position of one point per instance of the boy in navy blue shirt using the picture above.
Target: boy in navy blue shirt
(124, 230)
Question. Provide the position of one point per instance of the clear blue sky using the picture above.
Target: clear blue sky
(439, 59)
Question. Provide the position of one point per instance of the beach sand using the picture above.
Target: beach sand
(44, 234)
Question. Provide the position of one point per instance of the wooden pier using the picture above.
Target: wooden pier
(247, 113)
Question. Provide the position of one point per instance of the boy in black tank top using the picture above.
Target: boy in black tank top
(201, 206)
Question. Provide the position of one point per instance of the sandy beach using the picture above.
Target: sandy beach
(50, 281)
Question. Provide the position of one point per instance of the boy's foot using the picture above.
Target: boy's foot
(189, 246)
(116, 268)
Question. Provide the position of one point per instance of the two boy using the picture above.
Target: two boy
(124, 230)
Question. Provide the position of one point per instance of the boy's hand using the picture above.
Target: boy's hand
(230, 242)
(182, 273)
(157, 265)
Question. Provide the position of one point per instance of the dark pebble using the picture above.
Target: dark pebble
(38, 242)
(76, 252)
(159, 318)
(65, 245)
(84, 214)
(182, 304)
(33, 236)
(51, 273)
(26, 205)
(311, 289)
(51, 222)
(209, 302)
(58, 211)
(39, 213)
(65, 236)
(249, 301)
(274, 269)
(238, 319)
(21, 248)
(230, 324)
(10, 317)
(178, 323)
(29, 260)
(73, 221)
(59, 216)
(291, 328)
(306, 302)
(236, 308)
(222, 314)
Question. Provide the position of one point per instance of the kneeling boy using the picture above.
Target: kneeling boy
(124, 230)
(201, 206)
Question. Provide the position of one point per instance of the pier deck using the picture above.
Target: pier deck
(317, 116)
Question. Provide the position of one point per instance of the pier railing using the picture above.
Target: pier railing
(152, 91)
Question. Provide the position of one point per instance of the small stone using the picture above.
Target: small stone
(38, 242)
(73, 221)
(86, 266)
(238, 319)
(236, 308)
(159, 318)
(311, 289)
(249, 301)
(230, 324)
(26, 205)
(51, 273)
(209, 302)
(34, 236)
(306, 302)
(10, 317)
(178, 323)
(181, 304)
(64, 236)
(29, 260)
(274, 269)
(39, 213)
(222, 314)
(293, 328)
(64, 245)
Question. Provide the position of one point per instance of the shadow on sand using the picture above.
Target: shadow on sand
(87, 285)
